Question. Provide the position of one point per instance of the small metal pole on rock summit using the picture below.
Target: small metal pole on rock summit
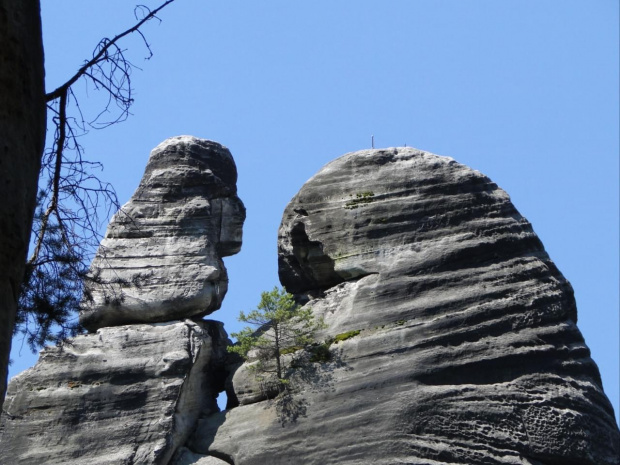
(372, 141)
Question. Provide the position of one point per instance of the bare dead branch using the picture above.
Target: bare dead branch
(103, 51)
(60, 142)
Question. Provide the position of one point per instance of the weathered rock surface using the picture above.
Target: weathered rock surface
(161, 258)
(22, 137)
(124, 395)
(186, 457)
(457, 337)
(468, 351)
(132, 394)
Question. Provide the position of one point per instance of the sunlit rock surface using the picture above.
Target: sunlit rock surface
(457, 337)
(161, 258)
(124, 395)
(132, 394)
(468, 351)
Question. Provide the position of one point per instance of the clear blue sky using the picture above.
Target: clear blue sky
(525, 91)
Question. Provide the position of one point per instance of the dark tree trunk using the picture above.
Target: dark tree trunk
(22, 138)
(276, 330)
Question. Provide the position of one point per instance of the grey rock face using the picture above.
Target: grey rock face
(124, 395)
(161, 258)
(22, 137)
(186, 457)
(467, 352)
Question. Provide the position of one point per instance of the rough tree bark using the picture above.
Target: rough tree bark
(22, 139)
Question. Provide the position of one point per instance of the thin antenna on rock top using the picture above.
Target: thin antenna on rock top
(372, 141)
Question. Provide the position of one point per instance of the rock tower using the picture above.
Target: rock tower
(458, 337)
(131, 391)
(451, 335)
(161, 258)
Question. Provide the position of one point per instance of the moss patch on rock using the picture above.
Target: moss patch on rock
(347, 335)
(361, 198)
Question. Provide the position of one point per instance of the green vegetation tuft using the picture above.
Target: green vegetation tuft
(290, 350)
(347, 335)
(360, 199)
(320, 353)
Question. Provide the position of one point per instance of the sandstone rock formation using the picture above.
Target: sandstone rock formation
(459, 337)
(131, 394)
(124, 395)
(161, 258)
(451, 335)
(22, 136)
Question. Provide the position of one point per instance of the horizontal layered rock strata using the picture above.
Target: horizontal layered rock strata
(124, 395)
(132, 394)
(161, 258)
(458, 337)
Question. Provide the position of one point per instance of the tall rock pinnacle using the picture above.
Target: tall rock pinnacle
(132, 390)
(161, 258)
(452, 334)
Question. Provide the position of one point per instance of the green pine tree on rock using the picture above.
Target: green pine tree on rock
(279, 328)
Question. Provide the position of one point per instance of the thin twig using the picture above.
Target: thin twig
(101, 55)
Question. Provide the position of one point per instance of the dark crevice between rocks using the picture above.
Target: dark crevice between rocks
(233, 362)
(225, 457)
(217, 375)
(308, 267)
(320, 293)
(217, 369)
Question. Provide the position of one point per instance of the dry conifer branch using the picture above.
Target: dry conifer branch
(102, 52)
